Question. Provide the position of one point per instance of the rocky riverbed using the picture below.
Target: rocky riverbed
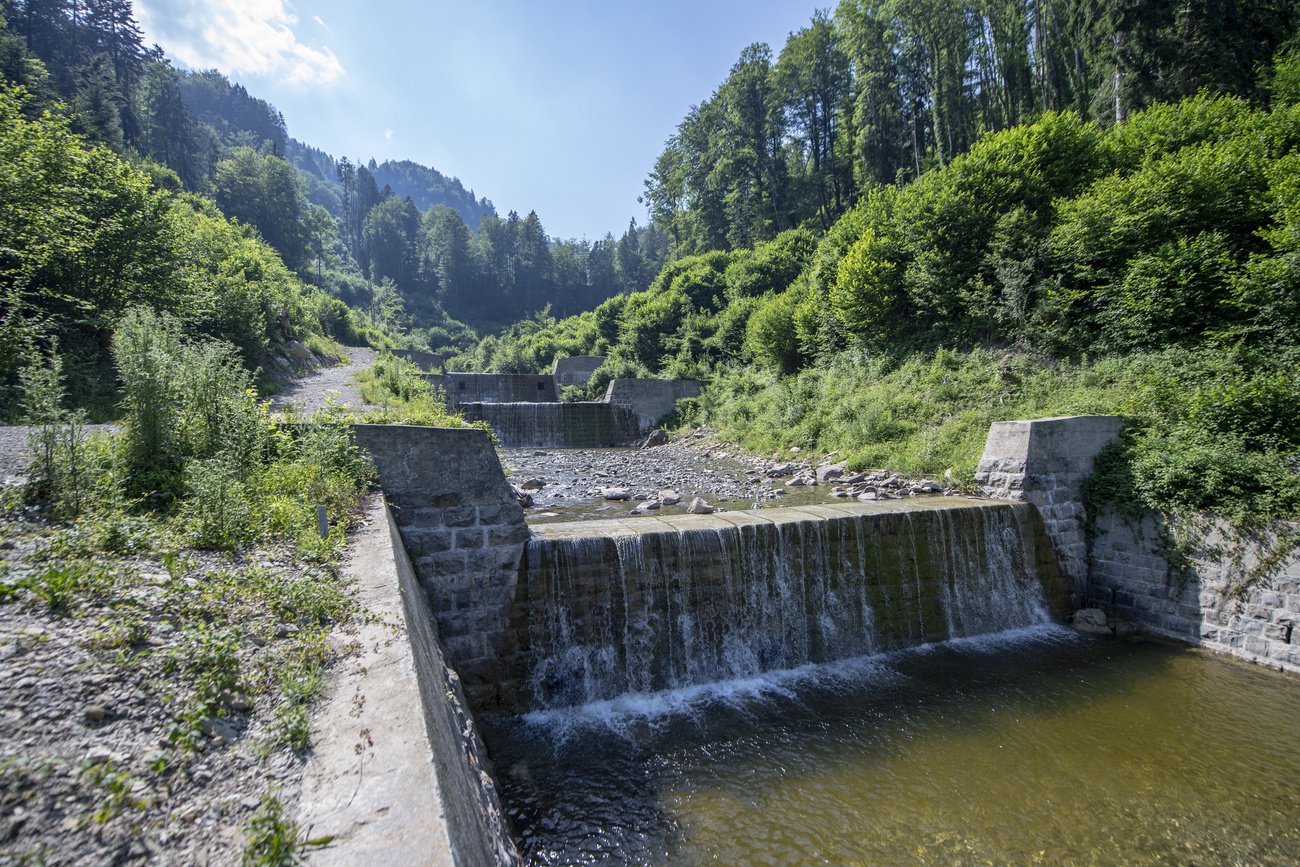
(587, 484)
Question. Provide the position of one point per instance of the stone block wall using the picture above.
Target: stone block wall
(464, 531)
(1131, 581)
(1044, 462)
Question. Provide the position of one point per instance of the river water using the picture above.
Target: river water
(1038, 746)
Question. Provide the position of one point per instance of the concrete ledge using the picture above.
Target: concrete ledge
(398, 772)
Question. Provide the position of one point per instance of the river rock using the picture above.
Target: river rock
(669, 497)
(524, 498)
(1092, 621)
(831, 471)
(615, 493)
(533, 485)
(699, 507)
(658, 437)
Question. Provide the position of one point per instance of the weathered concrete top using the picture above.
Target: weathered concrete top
(1044, 446)
(650, 399)
(577, 369)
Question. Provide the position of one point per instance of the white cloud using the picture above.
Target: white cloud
(388, 134)
(249, 37)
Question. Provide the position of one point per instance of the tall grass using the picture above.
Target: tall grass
(929, 413)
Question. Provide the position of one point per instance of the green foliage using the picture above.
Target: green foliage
(403, 394)
(60, 470)
(274, 840)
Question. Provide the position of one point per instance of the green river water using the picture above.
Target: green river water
(1033, 747)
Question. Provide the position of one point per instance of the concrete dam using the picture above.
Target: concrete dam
(792, 676)
(525, 410)
(644, 605)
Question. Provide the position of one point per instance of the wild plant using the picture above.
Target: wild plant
(60, 471)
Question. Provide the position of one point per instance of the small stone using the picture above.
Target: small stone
(1092, 621)
(699, 507)
(286, 630)
(533, 485)
(96, 713)
(669, 497)
(615, 493)
(235, 701)
(7, 545)
(868, 497)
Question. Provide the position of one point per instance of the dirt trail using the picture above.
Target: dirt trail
(308, 393)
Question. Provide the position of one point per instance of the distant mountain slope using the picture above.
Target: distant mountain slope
(428, 187)
(238, 118)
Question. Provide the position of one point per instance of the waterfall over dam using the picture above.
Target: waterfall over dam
(641, 605)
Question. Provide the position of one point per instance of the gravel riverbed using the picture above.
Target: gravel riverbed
(590, 484)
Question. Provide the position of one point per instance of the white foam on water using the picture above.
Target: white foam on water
(633, 712)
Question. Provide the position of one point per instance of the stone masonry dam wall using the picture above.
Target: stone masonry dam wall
(524, 411)
(1235, 596)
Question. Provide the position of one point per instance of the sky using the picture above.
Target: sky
(561, 108)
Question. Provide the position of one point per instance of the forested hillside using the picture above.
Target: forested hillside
(883, 91)
(413, 252)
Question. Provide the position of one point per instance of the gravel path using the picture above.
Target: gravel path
(309, 392)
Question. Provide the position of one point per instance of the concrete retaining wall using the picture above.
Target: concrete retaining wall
(463, 388)
(464, 531)
(398, 771)
(576, 370)
(649, 400)
(1235, 596)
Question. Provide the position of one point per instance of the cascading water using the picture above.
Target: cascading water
(652, 605)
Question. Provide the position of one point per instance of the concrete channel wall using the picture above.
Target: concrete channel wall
(397, 770)
(1239, 596)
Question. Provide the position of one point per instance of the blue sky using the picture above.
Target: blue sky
(559, 108)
